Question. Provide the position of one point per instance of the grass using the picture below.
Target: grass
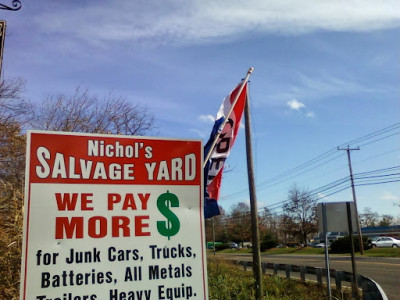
(383, 252)
(305, 250)
(228, 281)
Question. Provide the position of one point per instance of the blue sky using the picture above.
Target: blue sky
(325, 73)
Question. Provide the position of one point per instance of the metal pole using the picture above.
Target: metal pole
(2, 38)
(354, 284)
(213, 231)
(355, 198)
(253, 206)
(227, 117)
(328, 272)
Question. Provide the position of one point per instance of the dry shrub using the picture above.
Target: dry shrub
(11, 217)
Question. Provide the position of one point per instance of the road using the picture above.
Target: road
(384, 271)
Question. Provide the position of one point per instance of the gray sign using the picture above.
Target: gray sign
(336, 216)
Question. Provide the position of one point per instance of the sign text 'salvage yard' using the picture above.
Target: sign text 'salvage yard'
(112, 217)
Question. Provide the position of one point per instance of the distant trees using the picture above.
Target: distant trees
(87, 112)
(386, 220)
(13, 107)
(12, 153)
(369, 218)
(215, 228)
(300, 215)
(81, 112)
(297, 222)
(13, 112)
(240, 223)
(233, 227)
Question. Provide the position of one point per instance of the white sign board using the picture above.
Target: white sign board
(336, 216)
(113, 217)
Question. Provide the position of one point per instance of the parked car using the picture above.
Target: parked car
(374, 238)
(386, 241)
(233, 245)
(292, 244)
(319, 245)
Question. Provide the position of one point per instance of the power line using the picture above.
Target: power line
(310, 164)
(373, 134)
(382, 182)
(378, 171)
(333, 188)
(336, 186)
(376, 176)
(380, 139)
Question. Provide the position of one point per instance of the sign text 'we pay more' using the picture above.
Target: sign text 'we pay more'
(95, 202)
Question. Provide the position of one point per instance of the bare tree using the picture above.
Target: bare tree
(12, 153)
(386, 220)
(369, 218)
(12, 104)
(268, 222)
(86, 112)
(13, 113)
(300, 213)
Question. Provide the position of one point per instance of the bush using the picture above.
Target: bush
(220, 247)
(343, 245)
(268, 242)
(10, 240)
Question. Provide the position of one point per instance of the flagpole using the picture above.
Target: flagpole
(257, 270)
(227, 117)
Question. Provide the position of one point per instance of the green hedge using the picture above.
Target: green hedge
(268, 242)
(343, 245)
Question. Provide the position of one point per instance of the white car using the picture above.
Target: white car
(320, 245)
(386, 241)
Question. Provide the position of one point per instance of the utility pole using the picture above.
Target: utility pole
(348, 149)
(257, 270)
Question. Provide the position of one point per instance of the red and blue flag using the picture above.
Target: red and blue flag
(214, 167)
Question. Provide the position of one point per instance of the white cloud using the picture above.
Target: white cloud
(188, 22)
(310, 114)
(207, 118)
(329, 85)
(321, 86)
(295, 104)
(389, 196)
(198, 133)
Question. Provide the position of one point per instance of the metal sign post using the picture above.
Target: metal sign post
(328, 272)
(338, 216)
(353, 260)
